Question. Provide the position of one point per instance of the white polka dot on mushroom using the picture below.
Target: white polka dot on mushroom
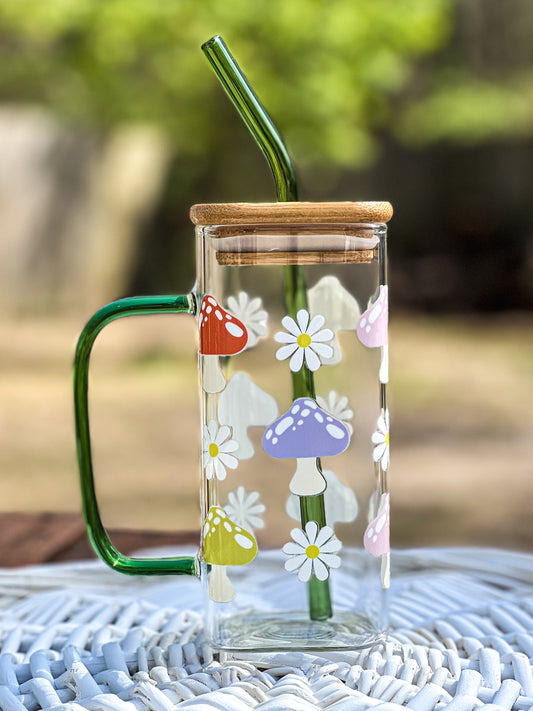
(233, 329)
(335, 431)
(283, 425)
(381, 521)
(374, 313)
(243, 541)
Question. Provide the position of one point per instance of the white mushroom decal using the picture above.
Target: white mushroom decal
(225, 543)
(220, 334)
(338, 306)
(305, 432)
(339, 500)
(244, 404)
(372, 330)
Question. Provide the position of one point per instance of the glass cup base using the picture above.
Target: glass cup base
(295, 631)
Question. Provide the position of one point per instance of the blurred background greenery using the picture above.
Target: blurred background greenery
(112, 124)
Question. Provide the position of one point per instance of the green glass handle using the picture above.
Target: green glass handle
(132, 306)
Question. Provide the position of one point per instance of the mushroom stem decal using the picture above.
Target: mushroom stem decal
(307, 479)
(305, 432)
(220, 334)
(339, 500)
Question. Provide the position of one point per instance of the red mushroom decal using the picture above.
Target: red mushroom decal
(220, 334)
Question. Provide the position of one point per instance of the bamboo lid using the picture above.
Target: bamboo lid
(290, 212)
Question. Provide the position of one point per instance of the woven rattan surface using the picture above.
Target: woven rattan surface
(79, 636)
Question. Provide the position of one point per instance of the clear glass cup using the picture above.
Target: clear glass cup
(291, 301)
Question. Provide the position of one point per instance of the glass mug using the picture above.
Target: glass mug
(292, 309)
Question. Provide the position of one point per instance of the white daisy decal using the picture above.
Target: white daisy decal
(244, 508)
(305, 340)
(252, 315)
(217, 448)
(312, 552)
(338, 407)
(380, 439)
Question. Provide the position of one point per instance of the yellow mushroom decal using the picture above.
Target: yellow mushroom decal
(225, 543)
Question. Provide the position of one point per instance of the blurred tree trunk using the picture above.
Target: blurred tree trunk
(71, 210)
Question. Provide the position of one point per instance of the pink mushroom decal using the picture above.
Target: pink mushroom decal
(305, 432)
(220, 334)
(372, 330)
(376, 537)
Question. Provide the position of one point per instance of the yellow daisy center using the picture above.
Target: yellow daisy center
(303, 340)
(312, 551)
(213, 450)
(387, 439)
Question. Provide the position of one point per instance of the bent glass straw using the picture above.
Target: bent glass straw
(269, 141)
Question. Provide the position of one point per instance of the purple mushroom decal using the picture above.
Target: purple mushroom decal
(305, 432)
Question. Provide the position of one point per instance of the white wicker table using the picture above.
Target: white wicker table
(79, 636)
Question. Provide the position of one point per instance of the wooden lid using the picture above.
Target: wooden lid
(290, 212)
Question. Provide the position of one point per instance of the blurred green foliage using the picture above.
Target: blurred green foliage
(327, 71)
(469, 110)
(342, 80)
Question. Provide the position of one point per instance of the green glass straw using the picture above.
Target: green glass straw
(269, 141)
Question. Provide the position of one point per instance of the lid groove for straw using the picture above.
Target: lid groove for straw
(294, 212)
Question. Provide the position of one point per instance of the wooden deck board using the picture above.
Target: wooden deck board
(33, 538)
